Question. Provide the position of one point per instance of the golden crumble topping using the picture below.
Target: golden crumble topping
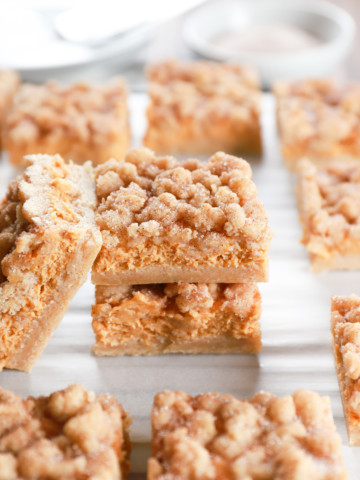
(71, 434)
(345, 326)
(46, 216)
(202, 107)
(175, 312)
(318, 119)
(214, 436)
(329, 200)
(79, 121)
(157, 210)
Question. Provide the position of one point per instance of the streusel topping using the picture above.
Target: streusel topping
(330, 204)
(211, 209)
(346, 331)
(71, 434)
(80, 112)
(47, 211)
(213, 436)
(198, 89)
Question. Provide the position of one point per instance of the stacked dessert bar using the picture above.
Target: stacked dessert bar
(183, 245)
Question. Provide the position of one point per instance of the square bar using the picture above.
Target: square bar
(177, 318)
(165, 221)
(329, 204)
(72, 434)
(345, 329)
(217, 436)
(48, 242)
(9, 83)
(80, 122)
(318, 119)
(202, 107)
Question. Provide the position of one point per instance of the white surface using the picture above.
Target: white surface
(295, 323)
(333, 26)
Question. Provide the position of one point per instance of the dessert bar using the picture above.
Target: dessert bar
(202, 107)
(319, 119)
(165, 221)
(345, 329)
(9, 83)
(48, 242)
(329, 204)
(217, 436)
(72, 434)
(177, 318)
(80, 122)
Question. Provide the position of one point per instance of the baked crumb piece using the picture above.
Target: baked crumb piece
(177, 318)
(213, 436)
(345, 329)
(329, 204)
(9, 83)
(80, 122)
(202, 107)
(48, 242)
(319, 119)
(70, 435)
(165, 221)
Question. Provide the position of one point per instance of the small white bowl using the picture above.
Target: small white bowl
(331, 25)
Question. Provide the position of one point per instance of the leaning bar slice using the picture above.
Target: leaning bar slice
(72, 434)
(177, 318)
(345, 329)
(329, 204)
(48, 242)
(166, 221)
(9, 83)
(217, 436)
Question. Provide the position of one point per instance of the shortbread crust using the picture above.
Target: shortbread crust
(48, 242)
(329, 204)
(80, 122)
(177, 318)
(213, 436)
(345, 329)
(70, 435)
(9, 83)
(319, 119)
(202, 107)
(165, 221)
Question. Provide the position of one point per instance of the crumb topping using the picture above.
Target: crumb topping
(346, 337)
(175, 311)
(71, 434)
(213, 436)
(147, 202)
(330, 207)
(46, 214)
(318, 116)
(80, 112)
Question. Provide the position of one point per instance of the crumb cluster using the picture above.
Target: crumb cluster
(158, 209)
(72, 435)
(214, 436)
(329, 200)
(200, 106)
(318, 118)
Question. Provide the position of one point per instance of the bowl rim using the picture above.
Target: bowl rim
(202, 46)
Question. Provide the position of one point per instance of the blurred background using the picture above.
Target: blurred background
(93, 40)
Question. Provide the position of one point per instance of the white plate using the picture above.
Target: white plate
(295, 324)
